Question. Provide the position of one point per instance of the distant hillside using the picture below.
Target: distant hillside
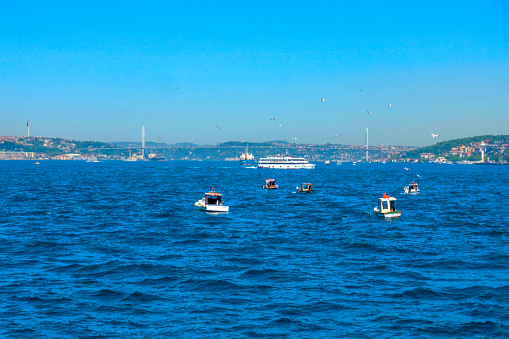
(445, 146)
(185, 144)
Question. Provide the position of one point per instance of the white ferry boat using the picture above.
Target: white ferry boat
(285, 162)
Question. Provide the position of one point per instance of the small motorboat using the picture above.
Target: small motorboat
(212, 202)
(387, 207)
(270, 184)
(327, 162)
(412, 189)
(305, 188)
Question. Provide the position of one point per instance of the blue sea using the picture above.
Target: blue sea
(118, 250)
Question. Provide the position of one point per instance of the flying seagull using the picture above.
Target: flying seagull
(280, 125)
(368, 112)
(434, 135)
(389, 105)
(218, 126)
(361, 90)
(273, 118)
(176, 87)
(335, 135)
(403, 130)
(322, 99)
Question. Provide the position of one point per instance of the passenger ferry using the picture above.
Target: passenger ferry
(285, 162)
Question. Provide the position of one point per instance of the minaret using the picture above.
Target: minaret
(367, 157)
(143, 142)
(28, 129)
(482, 151)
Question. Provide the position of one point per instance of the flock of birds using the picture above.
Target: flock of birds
(433, 135)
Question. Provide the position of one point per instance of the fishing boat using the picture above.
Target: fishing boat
(247, 158)
(412, 189)
(286, 162)
(387, 207)
(270, 184)
(327, 162)
(212, 202)
(305, 188)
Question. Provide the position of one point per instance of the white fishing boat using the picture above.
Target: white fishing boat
(212, 202)
(412, 189)
(286, 162)
(270, 184)
(327, 162)
(305, 188)
(387, 207)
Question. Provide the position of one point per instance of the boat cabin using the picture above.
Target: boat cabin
(386, 204)
(305, 188)
(270, 184)
(213, 198)
(412, 189)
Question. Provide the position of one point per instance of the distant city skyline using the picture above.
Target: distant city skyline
(101, 70)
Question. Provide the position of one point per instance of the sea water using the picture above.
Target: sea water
(118, 250)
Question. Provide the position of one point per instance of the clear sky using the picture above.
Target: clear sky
(99, 70)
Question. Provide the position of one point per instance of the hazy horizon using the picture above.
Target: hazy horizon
(205, 73)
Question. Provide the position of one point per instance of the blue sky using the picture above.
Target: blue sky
(90, 70)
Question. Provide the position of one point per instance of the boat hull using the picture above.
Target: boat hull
(287, 166)
(393, 214)
(390, 214)
(211, 208)
(217, 209)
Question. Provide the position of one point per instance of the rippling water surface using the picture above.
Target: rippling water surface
(117, 250)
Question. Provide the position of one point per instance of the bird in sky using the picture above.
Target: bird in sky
(389, 105)
(218, 126)
(368, 112)
(294, 138)
(335, 135)
(322, 99)
(280, 125)
(434, 135)
(273, 118)
(176, 87)
(403, 130)
(361, 90)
